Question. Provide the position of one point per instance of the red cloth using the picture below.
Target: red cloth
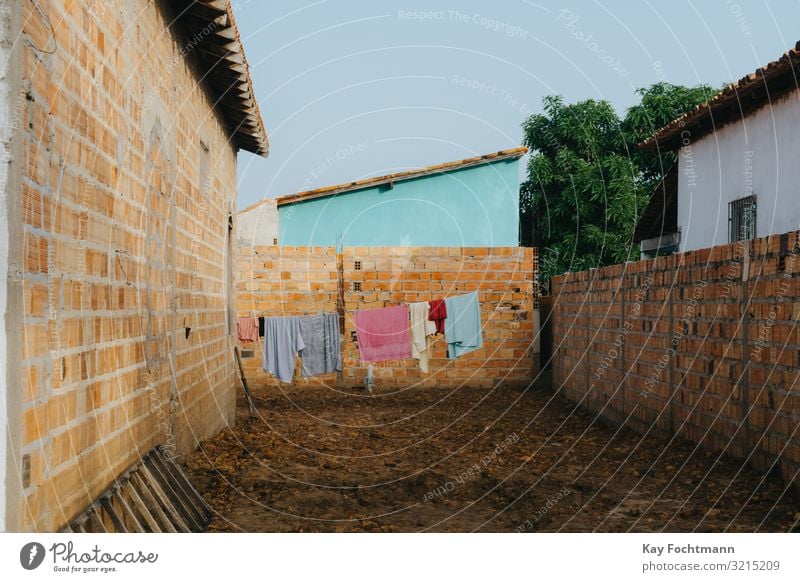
(247, 329)
(383, 334)
(438, 313)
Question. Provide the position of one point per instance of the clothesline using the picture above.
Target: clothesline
(385, 333)
(315, 338)
(388, 333)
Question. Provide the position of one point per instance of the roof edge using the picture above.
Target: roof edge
(398, 177)
(735, 102)
(254, 114)
(255, 205)
(214, 38)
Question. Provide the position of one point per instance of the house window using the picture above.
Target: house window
(742, 219)
(357, 265)
(356, 285)
(275, 241)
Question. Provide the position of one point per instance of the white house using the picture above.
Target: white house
(738, 174)
(257, 225)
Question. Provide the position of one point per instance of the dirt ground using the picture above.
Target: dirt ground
(502, 460)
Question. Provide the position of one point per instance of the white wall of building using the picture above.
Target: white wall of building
(257, 225)
(5, 122)
(9, 124)
(757, 156)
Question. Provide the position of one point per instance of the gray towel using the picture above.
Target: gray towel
(322, 353)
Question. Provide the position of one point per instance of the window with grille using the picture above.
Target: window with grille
(356, 285)
(357, 265)
(742, 219)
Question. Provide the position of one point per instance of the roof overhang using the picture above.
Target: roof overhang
(213, 36)
(734, 103)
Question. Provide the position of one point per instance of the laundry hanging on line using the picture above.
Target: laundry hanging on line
(315, 338)
(438, 313)
(282, 341)
(383, 334)
(323, 351)
(387, 334)
(421, 330)
(462, 328)
(247, 329)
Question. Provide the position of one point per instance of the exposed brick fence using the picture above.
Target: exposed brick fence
(306, 280)
(703, 344)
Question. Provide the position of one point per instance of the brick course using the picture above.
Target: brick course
(304, 281)
(703, 344)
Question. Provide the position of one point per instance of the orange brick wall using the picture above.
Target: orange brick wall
(703, 344)
(304, 280)
(124, 239)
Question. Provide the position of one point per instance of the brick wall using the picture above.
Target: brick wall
(305, 280)
(124, 234)
(703, 344)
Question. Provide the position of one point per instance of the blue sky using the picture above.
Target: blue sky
(354, 89)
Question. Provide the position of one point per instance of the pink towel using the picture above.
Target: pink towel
(383, 334)
(247, 329)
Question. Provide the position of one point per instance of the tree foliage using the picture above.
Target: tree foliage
(587, 182)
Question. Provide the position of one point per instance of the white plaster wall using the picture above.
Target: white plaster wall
(759, 155)
(8, 126)
(258, 224)
(4, 167)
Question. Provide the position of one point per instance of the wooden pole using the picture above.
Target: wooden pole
(250, 404)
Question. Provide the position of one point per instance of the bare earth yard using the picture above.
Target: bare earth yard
(472, 459)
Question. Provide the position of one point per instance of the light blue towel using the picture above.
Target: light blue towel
(282, 341)
(462, 328)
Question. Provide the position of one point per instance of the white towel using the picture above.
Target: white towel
(421, 329)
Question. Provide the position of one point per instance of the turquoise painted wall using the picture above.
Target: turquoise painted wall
(476, 206)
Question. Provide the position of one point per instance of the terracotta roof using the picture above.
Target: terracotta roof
(732, 104)
(211, 33)
(661, 215)
(400, 176)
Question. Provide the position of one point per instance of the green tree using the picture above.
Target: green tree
(587, 182)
